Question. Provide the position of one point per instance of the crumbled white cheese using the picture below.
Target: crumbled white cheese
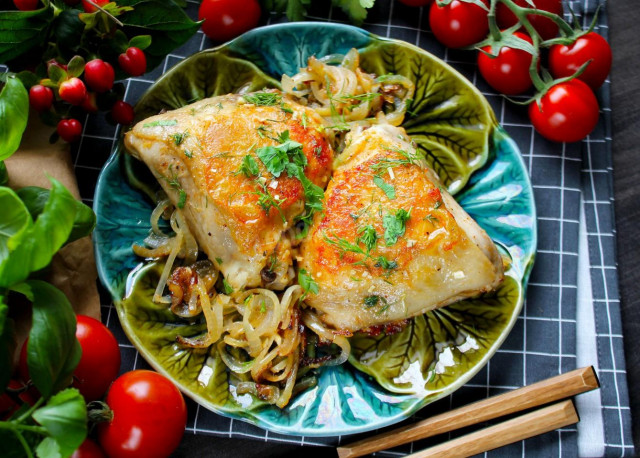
(273, 184)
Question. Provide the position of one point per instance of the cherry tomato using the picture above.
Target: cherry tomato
(89, 8)
(458, 24)
(508, 72)
(566, 60)
(133, 61)
(69, 130)
(122, 113)
(73, 91)
(88, 449)
(100, 361)
(544, 26)
(226, 19)
(149, 416)
(568, 112)
(416, 2)
(26, 5)
(40, 97)
(99, 75)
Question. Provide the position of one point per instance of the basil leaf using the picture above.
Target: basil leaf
(164, 21)
(6, 337)
(4, 175)
(35, 199)
(39, 242)
(65, 418)
(14, 221)
(388, 189)
(14, 110)
(53, 352)
(20, 31)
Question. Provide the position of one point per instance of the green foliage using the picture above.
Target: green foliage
(65, 419)
(14, 111)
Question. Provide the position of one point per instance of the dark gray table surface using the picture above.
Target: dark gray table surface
(624, 20)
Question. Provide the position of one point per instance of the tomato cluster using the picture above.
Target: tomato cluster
(562, 110)
(145, 414)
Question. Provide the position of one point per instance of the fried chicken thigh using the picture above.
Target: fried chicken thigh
(391, 243)
(205, 157)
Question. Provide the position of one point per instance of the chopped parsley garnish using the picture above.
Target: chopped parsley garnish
(371, 301)
(175, 184)
(266, 201)
(286, 108)
(249, 167)
(305, 120)
(374, 300)
(437, 205)
(226, 287)
(219, 261)
(368, 236)
(219, 106)
(307, 283)
(179, 137)
(161, 123)
(188, 153)
(388, 189)
(383, 262)
(386, 163)
(432, 219)
(263, 307)
(264, 99)
(395, 225)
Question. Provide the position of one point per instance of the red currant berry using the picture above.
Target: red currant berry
(99, 75)
(26, 5)
(40, 97)
(73, 91)
(122, 113)
(133, 61)
(89, 8)
(69, 130)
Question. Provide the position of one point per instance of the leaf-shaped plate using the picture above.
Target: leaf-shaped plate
(452, 124)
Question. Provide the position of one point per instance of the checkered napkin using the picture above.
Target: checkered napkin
(543, 343)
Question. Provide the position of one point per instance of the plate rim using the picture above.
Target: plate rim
(498, 135)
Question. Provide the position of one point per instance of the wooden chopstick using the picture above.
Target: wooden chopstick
(534, 395)
(528, 425)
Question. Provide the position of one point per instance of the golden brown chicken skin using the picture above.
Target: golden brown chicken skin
(205, 156)
(391, 244)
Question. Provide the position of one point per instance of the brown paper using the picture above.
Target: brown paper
(73, 269)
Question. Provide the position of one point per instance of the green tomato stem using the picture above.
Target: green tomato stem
(522, 12)
(493, 26)
(17, 427)
(24, 444)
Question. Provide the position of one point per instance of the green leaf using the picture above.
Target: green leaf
(53, 352)
(307, 283)
(355, 9)
(14, 221)
(56, 74)
(35, 199)
(41, 240)
(67, 28)
(164, 21)
(4, 175)
(388, 189)
(75, 67)
(141, 42)
(14, 111)
(65, 418)
(21, 31)
(48, 448)
(6, 338)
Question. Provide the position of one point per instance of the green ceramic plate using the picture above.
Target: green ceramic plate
(388, 378)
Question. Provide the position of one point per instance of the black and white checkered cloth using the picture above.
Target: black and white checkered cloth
(551, 336)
